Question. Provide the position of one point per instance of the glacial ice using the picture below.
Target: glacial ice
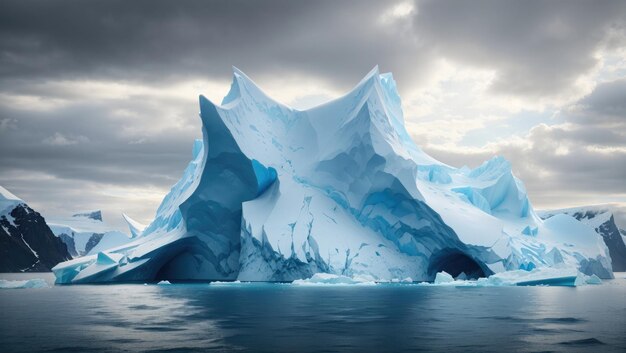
(443, 277)
(135, 227)
(226, 283)
(555, 276)
(583, 279)
(30, 283)
(336, 192)
(331, 279)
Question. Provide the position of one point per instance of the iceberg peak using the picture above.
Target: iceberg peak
(244, 88)
(134, 227)
(7, 195)
(491, 169)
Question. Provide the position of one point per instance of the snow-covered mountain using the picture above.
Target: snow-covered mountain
(601, 219)
(26, 242)
(277, 194)
(86, 233)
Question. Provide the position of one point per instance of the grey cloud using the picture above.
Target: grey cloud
(159, 40)
(557, 162)
(84, 142)
(605, 105)
(537, 48)
(62, 197)
(96, 155)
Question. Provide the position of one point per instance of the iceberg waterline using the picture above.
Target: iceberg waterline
(535, 277)
(278, 194)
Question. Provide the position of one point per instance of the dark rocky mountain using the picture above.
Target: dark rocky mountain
(614, 241)
(27, 243)
(93, 241)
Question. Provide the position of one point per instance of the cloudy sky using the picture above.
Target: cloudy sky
(98, 99)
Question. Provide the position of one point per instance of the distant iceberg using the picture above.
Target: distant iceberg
(537, 277)
(278, 194)
(30, 283)
(86, 233)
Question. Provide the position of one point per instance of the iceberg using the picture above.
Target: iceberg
(443, 277)
(86, 233)
(220, 283)
(559, 276)
(601, 219)
(337, 191)
(31, 283)
(329, 279)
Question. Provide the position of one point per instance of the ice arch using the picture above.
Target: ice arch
(455, 262)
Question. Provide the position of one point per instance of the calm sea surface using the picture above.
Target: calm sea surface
(288, 318)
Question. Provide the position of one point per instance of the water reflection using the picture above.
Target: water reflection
(149, 317)
(286, 318)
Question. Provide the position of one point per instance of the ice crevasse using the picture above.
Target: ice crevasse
(278, 194)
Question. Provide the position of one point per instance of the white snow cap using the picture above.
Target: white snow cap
(7, 195)
(8, 201)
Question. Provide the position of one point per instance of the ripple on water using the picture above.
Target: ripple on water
(583, 342)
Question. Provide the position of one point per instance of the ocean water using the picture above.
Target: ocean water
(288, 318)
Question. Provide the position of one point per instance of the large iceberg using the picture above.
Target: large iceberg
(278, 194)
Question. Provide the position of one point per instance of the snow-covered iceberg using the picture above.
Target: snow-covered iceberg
(86, 233)
(278, 194)
(600, 218)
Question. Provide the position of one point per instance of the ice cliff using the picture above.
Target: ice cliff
(278, 194)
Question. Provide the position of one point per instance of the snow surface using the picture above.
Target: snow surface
(8, 202)
(593, 216)
(330, 279)
(278, 194)
(31, 283)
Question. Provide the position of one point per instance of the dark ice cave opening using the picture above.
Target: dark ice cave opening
(455, 263)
